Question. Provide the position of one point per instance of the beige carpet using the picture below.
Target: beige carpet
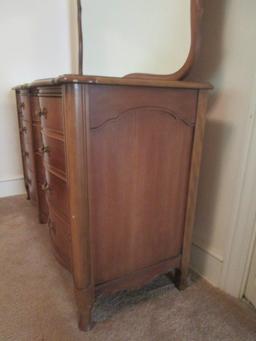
(37, 302)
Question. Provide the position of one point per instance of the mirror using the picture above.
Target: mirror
(138, 38)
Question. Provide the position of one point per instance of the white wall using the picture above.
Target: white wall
(228, 61)
(36, 41)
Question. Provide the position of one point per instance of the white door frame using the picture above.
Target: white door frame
(241, 239)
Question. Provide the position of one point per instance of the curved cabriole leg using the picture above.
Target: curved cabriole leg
(85, 300)
(42, 219)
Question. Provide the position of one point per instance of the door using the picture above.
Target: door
(250, 291)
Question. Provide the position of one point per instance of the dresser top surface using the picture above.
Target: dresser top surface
(84, 79)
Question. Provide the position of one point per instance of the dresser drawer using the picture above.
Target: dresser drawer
(57, 193)
(23, 102)
(37, 137)
(35, 108)
(60, 237)
(26, 132)
(54, 152)
(51, 113)
(27, 154)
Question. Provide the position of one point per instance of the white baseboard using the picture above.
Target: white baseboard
(13, 186)
(207, 264)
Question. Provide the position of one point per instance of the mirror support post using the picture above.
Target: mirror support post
(80, 37)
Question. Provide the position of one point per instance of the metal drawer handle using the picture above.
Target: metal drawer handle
(45, 149)
(22, 105)
(23, 130)
(45, 187)
(52, 226)
(43, 112)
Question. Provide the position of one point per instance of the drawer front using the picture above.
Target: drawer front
(60, 236)
(24, 106)
(37, 137)
(57, 193)
(26, 132)
(51, 113)
(40, 177)
(28, 158)
(54, 152)
(35, 108)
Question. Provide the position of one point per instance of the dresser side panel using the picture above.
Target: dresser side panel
(139, 167)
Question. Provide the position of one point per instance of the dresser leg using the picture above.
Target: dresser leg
(85, 301)
(43, 219)
(27, 191)
(181, 279)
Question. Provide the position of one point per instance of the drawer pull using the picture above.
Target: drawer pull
(45, 187)
(22, 105)
(43, 113)
(52, 226)
(45, 149)
(23, 130)
(25, 154)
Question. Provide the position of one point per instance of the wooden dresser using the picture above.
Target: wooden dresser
(32, 148)
(117, 161)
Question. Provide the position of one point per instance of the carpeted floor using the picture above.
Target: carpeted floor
(37, 302)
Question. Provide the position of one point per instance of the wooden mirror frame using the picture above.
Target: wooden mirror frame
(196, 14)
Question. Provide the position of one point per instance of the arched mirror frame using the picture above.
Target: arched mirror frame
(196, 10)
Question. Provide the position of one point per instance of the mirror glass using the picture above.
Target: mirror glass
(135, 36)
